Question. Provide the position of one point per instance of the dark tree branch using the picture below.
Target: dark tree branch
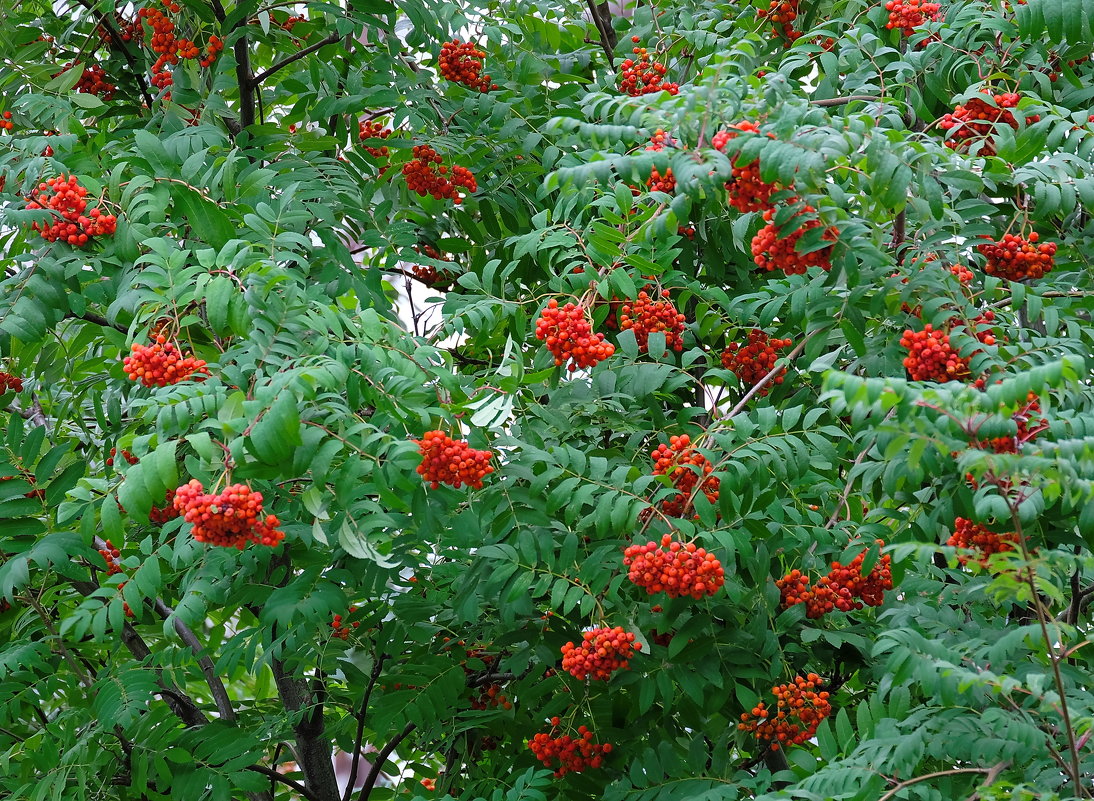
(216, 686)
(602, 19)
(381, 758)
(257, 80)
(278, 777)
(313, 749)
(90, 317)
(372, 679)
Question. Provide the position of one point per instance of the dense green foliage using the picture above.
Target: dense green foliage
(258, 231)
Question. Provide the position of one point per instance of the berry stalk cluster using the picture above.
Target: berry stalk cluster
(74, 223)
(675, 568)
(799, 709)
(971, 536)
(161, 364)
(566, 754)
(427, 175)
(568, 335)
(462, 62)
(644, 316)
(1016, 258)
(601, 652)
(844, 588)
(642, 75)
(755, 359)
(686, 467)
(452, 462)
(231, 518)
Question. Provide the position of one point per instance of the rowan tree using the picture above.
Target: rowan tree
(486, 400)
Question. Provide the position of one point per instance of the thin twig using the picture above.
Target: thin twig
(279, 777)
(935, 775)
(602, 19)
(376, 670)
(381, 758)
(257, 80)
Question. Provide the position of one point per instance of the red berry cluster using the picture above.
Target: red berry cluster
(167, 512)
(125, 455)
(429, 275)
(782, 13)
(127, 29)
(292, 22)
(1016, 258)
(660, 183)
(674, 568)
(566, 754)
(972, 536)
(799, 709)
(1029, 424)
(910, 14)
(452, 462)
(752, 361)
(125, 606)
(65, 198)
(374, 129)
(5, 121)
(429, 784)
(110, 555)
(643, 76)
(978, 117)
(684, 465)
(771, 251)
(746, 190)
(426, 179)
(461, 62)
(92, 80)
(343, 630)
(645, 316)
(172, 48)
(601, 653)
(160, 364)
(231, 519)
(9, 382)
(568, 335)
(844, 588)
(932, 358)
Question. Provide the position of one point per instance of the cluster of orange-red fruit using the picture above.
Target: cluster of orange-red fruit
(565, 754)
(657, 182)
(601, 653)
(746, 190)
(771, 251)
(161, 364)
(907, 15)
(65, 197)
(755, 359)
(452, 462)
(426, 174)
(231, 518)
(931, 357)
(568, 335)
(642, 75)
(844, 588)
(976, 119)
(92, 80)
(800, 706)
(461, 62)
(782, 13)
(110, 555)
(9, 382)
(343, 630)
(5, 121)
(429, 275)
(165, 513)
(130, 458)
(675, 568)
(172, 48)
(684, 465)
(1029, 424)
(974, 537)
(1016, 258)
(645, 315)
(491, 695)
(374, 129)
